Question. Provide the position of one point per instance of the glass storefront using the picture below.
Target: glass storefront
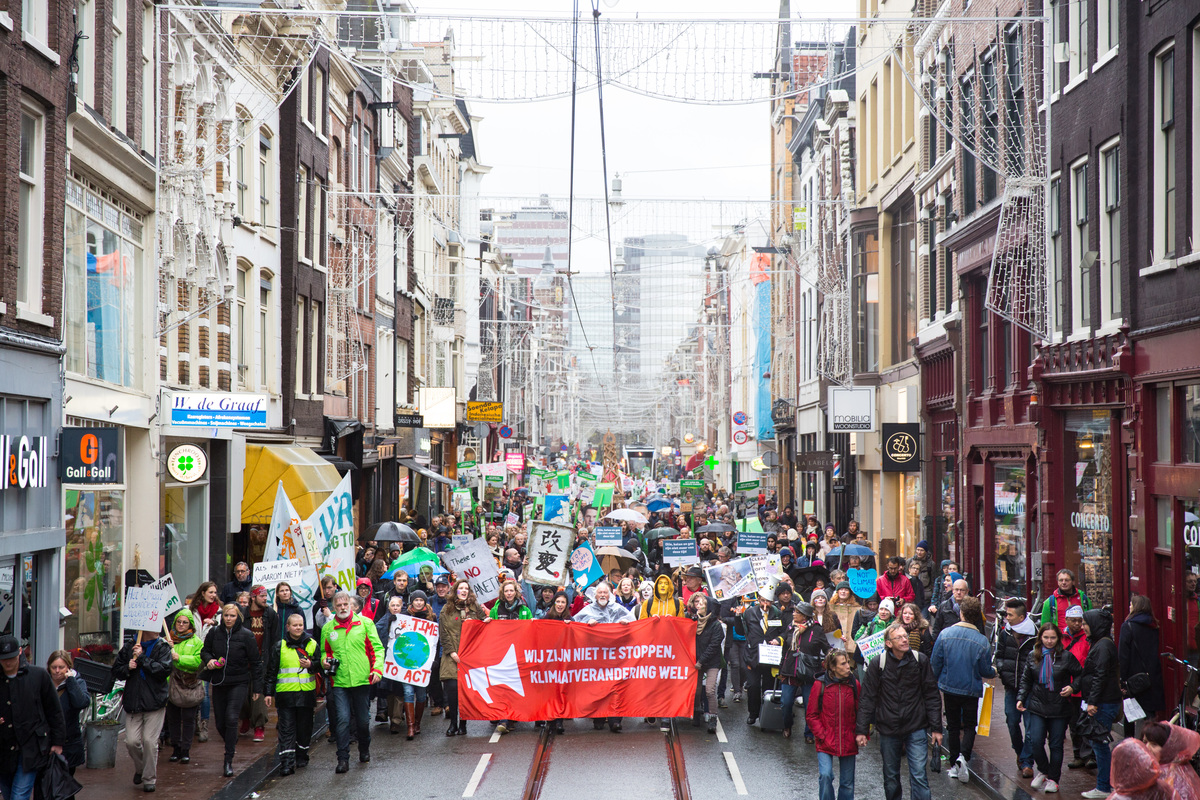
(184, 531)
(946, 531)
(910, 513)
(1089, 511)
(95, 526)
(1009, 501)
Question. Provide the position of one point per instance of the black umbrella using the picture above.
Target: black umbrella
(716, 527)
(394, 532)
(806, 578)
(661, 533)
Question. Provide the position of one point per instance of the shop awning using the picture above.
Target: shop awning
(426, 471)
(307, 478)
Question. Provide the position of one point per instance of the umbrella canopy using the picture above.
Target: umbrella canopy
(615, 558)
(805, 579)
(393, 532)
(661, 533)
(493, 515)
(415, 556)
(660, 504)
(715, 527)
(414, 569)
(627, 515)
(849, 550)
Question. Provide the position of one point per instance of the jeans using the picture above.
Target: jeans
(1020, 743)
(226, 704)
(962, 713)
(19, 785)
(141, 740)
(915, 746)
(845, 777)
(787, 696)
(1036, 732)
(436, 696)
(295, 726)
(353, 704)
(414, 694)
(181, 726)
(205, 704)
(1106, 715)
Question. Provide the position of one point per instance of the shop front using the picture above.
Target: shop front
(32, 536)
(940, 471)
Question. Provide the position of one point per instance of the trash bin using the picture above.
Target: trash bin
(100, 739)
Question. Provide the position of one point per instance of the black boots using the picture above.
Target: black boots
(228, 771)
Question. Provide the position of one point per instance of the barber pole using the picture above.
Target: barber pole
(837, 466)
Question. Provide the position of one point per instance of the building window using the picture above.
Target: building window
(1107, 22)
(1164, 157)
(318, 93)
(302, 215)
(35, 20)
(102, 279)
(1081, 275)
(1087, 516)
(305, 97)
(298, 356)
(983, 381)
(120, 64)
(904, 289)
(364, 150)
(95, 532)
(316, 384)
(1191, 425)
(1014, 113)
(947, 71)
(1162, 424)
(989, 140)
(970, 194)
(866, 302)
(265, 184)
(1110, 233)
(265, 359)
(352, 160)
(1054, 255)
(32, 209)
(1009, 505)
(242, 332)
(1077, 37)
(402, 372)
(85, 72)
(1056, 36)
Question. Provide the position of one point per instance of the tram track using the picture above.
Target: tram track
(539, 767)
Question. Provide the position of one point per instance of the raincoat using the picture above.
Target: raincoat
(1135, 774)
(664, 603)
(1175, 770)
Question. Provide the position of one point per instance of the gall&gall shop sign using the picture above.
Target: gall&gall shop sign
(91, 455)
(24, 460)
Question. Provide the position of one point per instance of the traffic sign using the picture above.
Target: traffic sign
(505, 432)
(740, 437)
(739, 418)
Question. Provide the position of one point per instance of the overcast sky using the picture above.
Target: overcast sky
(661, 148)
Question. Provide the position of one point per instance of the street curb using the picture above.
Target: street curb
(252, 778)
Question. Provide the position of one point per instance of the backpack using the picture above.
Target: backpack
(883, 658)
(825, 685)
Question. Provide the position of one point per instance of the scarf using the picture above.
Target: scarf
(702, 622)
(1047, 676)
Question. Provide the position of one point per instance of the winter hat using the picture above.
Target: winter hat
(945, 563)
(889, 605)
(1075, 612)
(955, 576)
(792, 535)
(417, 594)
(843, 585)
(806, 609)
(782, 588)
(924, 545)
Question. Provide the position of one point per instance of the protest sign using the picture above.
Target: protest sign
(461, 539)
(461, 501)
(494, 469)
(603, 496)
(474, 562)
(334, 523)
(284, 538)
(768, 570)
(752, 544)
(871, 646)
(770, 654)
(512, 518)
(550, 546)
(731, 579)
(411, 650)
(167, 584)
(269, 574)
(587, 493)
(608, 536)
(680, 552)
(143, 609)
(862, 581)
(587, 476)
(541, 669)
(585, 565)
(558, 509)
(563, 479)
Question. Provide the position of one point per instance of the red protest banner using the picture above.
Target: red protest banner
(544, 669)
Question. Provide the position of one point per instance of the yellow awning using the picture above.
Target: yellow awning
(307, 478)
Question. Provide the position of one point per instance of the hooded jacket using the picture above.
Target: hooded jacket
(145, 687)
(1176, 770)
(831, 711)
(664, 603)
(370, 602)
(188, 647)
(1043, 701)
(1100, 681)
(243, 662)
(73, 697)
(709, 641)
(1138, 653)
(355, 643)
(962, 658)
(613, 612)
(1014, 643)
(1056, 605)
(37, 715)
(1135, 773)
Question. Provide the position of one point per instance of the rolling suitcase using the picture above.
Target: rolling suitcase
(771, 716)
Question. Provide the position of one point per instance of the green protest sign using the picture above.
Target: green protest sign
(603, 497)
(745, 486)
(587, 476)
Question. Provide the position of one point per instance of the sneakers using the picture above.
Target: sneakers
(721, 703)
(1026, 772)
(737, 697)
(502, 728)
(964, 773)
(259, 734)
(149, 787)
(1039, 780)
(952, 772)
(1050, 787)
(1079, 762)
(1096, 794)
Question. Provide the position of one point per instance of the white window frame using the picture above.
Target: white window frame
(315, 378)
(306, 115)
(265, 176)
(301, 318)
(85, 13)
(1163, 181)
(352, 158)
(302, 208)
(1108, 21)
(149, 128)
(1110, 233)
(120, 65)
(31, 235)
(1078, 28)
(265, 282)
(1194, 239)
(401, 372)
(1080, 236)
(35, 24)
(1054, 251)
(242, 362)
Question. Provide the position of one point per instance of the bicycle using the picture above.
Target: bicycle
(1185, 716)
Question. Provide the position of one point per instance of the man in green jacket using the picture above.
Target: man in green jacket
(352, 652)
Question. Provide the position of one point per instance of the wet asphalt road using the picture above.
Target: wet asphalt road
(585, 764)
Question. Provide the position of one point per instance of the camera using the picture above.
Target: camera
(334, 663)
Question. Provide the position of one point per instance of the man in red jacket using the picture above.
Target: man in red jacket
(831, 712)
(894, 585)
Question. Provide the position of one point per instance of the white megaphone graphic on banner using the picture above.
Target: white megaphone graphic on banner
(506, 673)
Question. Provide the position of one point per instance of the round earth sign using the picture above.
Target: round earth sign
(411, 650)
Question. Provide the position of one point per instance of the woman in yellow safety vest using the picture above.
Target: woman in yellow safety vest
(290, 683)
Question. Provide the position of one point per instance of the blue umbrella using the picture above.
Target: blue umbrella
(848, 550)
(659, 504)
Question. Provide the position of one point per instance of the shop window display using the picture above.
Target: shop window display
(1009, 506)
(95, 523)
(1088, 528)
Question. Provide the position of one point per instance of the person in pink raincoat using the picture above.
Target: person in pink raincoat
(1175, 747)
(1135, 773)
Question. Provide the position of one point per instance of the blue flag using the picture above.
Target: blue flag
(585, 565)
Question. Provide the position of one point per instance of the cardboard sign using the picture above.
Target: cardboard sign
(410, 651)
(871, 646)
(768, 570)
(609, 536)
(558, 509)
(751, 543)
(290, 539)
(603, 496)
(680, 552)
(862, 581)
(167, 584)
(587, 476)
(143, 609)
(268, 574)
(461, 539)
(550, 546)
(731, 579)
(461, 501)
(770, 654)
(474, 562)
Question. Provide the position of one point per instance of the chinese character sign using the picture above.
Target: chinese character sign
(550, 547)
